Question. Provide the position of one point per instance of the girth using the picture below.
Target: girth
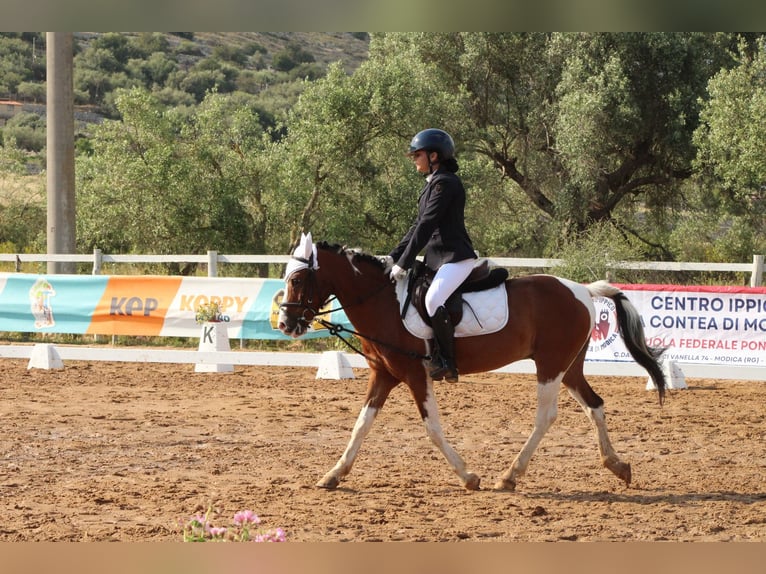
(481, 277)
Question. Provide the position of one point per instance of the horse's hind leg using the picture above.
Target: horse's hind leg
(593, 405)
(547, 410)
(378, 389)
(429, 412)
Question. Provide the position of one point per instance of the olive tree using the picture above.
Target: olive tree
(343, 166)
(162, 182)
(731, 187)
(555, 131)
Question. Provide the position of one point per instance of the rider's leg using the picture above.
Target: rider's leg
(442, 347)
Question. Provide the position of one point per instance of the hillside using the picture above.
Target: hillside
(269, 68)
(326, 47)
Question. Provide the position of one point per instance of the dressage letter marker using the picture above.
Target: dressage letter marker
(334, 365)
(214, 338)
(45, 356)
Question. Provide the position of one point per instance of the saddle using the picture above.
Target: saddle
(482, 277)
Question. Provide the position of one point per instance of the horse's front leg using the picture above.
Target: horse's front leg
(378, 388)
(429, 412)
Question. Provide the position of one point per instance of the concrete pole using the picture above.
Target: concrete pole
(60, 142)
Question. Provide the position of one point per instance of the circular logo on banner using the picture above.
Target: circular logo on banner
(605, 329)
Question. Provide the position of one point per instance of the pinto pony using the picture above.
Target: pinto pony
(550, 321)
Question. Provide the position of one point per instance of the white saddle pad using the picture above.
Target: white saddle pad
(484, 312)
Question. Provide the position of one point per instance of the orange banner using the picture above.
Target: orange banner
(136, 304)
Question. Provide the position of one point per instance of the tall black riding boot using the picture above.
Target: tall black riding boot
(443, 348)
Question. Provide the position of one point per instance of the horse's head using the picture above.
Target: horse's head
(302, 299)
(355, 279)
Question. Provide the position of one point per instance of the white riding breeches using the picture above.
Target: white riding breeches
(447, 279)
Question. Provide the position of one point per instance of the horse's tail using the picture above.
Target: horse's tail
(632, 333)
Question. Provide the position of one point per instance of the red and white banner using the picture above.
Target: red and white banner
(711, 325)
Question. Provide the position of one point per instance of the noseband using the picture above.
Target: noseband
(306, 304)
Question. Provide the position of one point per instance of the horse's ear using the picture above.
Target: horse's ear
(308, 246)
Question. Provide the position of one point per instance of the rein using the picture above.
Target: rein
(336, 329)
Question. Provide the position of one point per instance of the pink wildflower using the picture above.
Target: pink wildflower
(277, 535)
(218, 531)
(246, 517)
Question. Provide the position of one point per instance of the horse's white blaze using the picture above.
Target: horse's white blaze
(436, 434)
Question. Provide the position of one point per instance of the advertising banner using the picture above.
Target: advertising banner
(700, 324)
(142, 305)
(710, 325)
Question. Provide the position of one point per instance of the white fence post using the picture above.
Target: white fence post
(212, 264)
(756, 278)
(97, 259)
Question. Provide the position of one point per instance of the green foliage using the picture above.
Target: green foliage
(731, 137)
(34, 91)
(291, 56)
(591, 255)
(23, 209)
(566, 141)
(22, 59)
(112, 48)
(500, 219)
(206, 76)
(153, 70)
(27, 131)
(158, 182)
(731, 199)
(231, 54)
(22, 222)
(188, 48)
(346, 176)
(148, 43)
(12, 157)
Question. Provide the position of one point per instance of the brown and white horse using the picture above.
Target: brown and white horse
(549, 321)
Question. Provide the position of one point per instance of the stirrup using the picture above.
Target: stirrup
(444, 371)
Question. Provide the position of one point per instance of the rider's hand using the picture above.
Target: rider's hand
(397, 273)
(387, 261)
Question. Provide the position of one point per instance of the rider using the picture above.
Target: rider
(440, 230)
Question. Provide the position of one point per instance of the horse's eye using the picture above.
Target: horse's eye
(296, 282)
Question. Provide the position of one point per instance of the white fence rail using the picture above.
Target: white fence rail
(212, 259)
(292, 359)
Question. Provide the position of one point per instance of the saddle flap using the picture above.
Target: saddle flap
(481, 278)
(480, 271)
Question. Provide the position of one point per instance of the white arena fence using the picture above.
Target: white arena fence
(212, 259)
(343, 362)
(318, 360)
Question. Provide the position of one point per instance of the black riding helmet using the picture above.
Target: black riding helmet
(436, 140)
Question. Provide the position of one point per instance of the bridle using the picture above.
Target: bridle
(307, 297)
(306, 304)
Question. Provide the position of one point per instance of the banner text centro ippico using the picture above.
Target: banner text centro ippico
(715, 325)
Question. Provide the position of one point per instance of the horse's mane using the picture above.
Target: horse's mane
(355, 254)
